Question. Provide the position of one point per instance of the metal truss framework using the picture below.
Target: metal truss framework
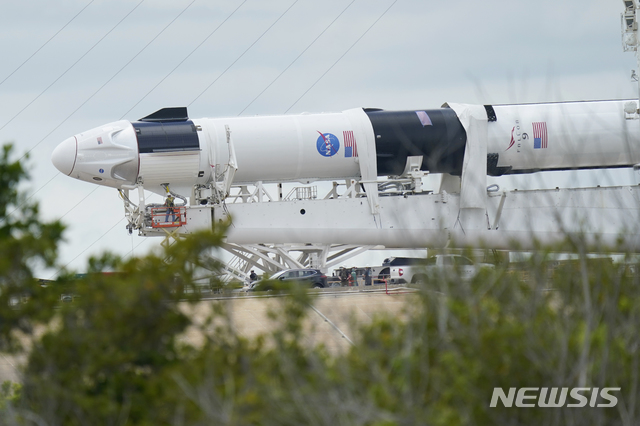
(276, 231)
(270, 258)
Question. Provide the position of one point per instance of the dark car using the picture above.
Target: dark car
(311, 277)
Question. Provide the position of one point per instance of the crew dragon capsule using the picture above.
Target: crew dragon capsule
(167, 147)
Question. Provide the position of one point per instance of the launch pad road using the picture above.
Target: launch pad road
(334, 313)
(319, 292)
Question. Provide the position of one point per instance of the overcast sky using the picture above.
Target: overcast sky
(71, 65)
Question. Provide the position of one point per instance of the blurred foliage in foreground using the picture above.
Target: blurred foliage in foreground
(116, 355)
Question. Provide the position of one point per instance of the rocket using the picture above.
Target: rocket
(168, 147)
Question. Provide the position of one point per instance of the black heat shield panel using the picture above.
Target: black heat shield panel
(166, 136)
(400, 134)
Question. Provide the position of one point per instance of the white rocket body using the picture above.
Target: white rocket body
(168, 147)
(280, 148)
(580, 135)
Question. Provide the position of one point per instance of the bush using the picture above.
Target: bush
(117, 353)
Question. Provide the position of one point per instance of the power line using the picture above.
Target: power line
(243, 53)
(87, 100)
(144, 240)
(342, 56)
(233, 63)
(298, 57)
(91, 245)
(73, 65)
(45, 43)
(182, 61)
(78, 203)
(110, 79)
(28, 198)
(189, 104)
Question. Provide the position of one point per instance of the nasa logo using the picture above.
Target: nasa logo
(101, 170)
(328, 144)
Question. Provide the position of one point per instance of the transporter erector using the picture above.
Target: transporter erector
(375, 161)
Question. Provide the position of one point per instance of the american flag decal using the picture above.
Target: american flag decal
(350, 148)
(539, 135)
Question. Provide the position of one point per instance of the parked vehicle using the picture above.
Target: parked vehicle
(416, 270)
(311, 277)
(398, 262)
(380, 274)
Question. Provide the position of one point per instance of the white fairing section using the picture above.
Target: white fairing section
(282, 148)
(179, 169)
(578, 135)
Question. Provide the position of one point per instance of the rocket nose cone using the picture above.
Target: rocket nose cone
(64, 156)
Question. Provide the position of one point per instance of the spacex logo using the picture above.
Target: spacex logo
(554, 397)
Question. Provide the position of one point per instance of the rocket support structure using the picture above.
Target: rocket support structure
(225, 167)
